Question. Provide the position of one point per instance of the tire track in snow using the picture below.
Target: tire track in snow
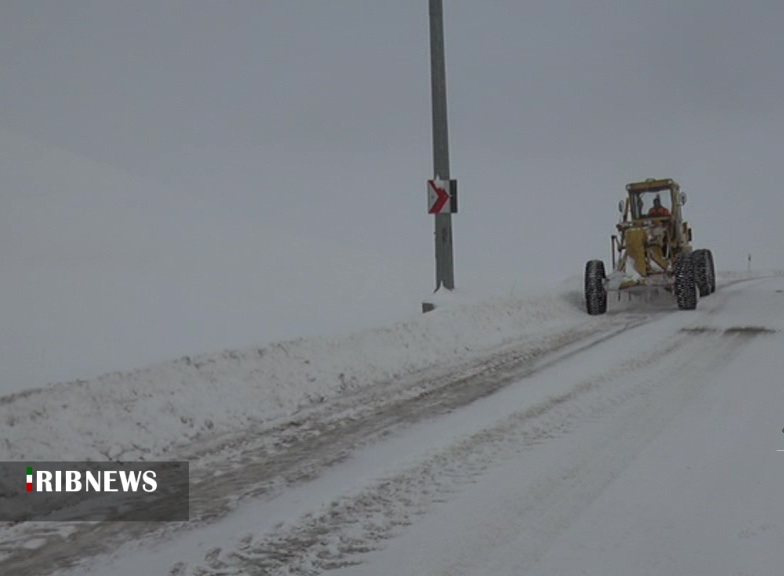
(343, 530)
(262, 463)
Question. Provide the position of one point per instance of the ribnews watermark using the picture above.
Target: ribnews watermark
(94, 491)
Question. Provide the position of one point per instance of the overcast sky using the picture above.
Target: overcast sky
(182, 176)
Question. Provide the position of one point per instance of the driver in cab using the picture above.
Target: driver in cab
(657, 210)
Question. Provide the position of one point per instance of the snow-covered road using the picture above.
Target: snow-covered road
(663, 461)
(643, 442)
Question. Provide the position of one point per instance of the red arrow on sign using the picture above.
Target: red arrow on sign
(441, 200)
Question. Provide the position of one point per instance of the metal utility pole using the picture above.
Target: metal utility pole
(445, 275)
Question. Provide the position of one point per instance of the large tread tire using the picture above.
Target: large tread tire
(595, 292)
(701, 259)
(685, 283)
(711, 272)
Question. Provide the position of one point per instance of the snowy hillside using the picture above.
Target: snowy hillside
(160, 410)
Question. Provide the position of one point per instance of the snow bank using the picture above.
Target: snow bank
(151, 412)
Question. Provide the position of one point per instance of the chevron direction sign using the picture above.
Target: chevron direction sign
(441, 196)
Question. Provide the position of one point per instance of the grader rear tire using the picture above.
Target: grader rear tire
(704, 273)
(711, 272)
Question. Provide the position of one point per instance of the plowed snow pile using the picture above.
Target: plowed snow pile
(150, 412)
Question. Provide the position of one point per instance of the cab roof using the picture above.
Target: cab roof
(652, 185)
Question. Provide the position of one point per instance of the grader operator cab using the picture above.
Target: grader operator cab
(652, 250)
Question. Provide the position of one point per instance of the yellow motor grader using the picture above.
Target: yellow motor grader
(652, 249)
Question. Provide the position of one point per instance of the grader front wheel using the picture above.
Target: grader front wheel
(595, 293)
